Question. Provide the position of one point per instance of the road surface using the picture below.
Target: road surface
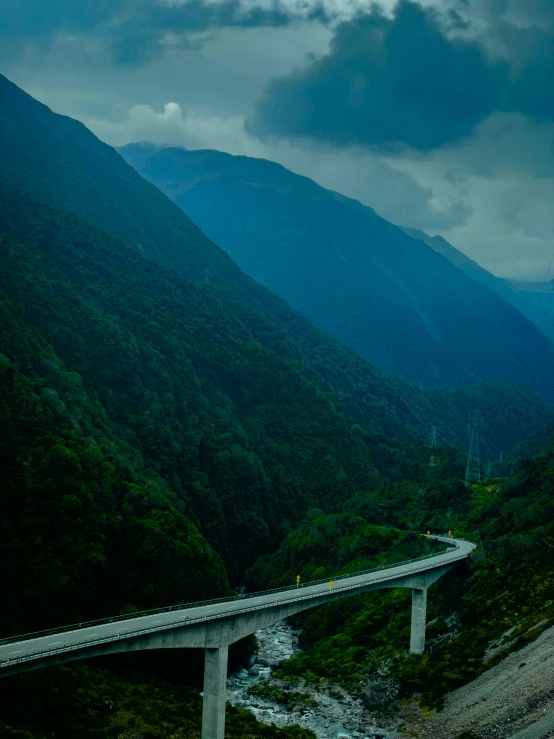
(33, 647)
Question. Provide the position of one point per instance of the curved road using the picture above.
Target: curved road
(26, 649)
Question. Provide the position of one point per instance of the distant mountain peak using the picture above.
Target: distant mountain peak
(410, 303)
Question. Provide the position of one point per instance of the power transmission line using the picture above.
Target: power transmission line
(489, 447)
(473, 469)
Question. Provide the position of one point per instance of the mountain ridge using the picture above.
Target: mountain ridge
(363, 392)
(362, 280)
(532, 299)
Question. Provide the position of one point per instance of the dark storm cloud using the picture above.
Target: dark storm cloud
(133, 30)
(406, 80)
(529, 89)
(386, 80)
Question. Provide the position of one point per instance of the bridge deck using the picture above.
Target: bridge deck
(17, 650)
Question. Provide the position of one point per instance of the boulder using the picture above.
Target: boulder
(373, 695)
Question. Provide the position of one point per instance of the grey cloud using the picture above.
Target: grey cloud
(386, 81)
(133, 31)
(527, 11)
(136, 50)
(409, 81)
(531, 91)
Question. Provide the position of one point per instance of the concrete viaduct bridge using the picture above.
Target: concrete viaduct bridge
(214, 625)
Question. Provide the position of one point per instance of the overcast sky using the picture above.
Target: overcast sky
(439, 114)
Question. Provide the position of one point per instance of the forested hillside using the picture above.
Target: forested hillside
(505, 589)
(533, 299)
(361, 279)
(59, 162)
(112, 453)
(245, 438)
(165, 421)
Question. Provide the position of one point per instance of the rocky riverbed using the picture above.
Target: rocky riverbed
(328, 710)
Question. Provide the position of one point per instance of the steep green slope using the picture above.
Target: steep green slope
(361, 279)
(533, 299)
(505, 589)
(88, 524)
(242, 437)
(540, 442)
(85, 702)
(84, 532)
(235, 423)
(59, 162)
(154, 429)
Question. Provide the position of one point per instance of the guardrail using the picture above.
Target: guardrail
(89, 643)
(441, 641)
(215, 601)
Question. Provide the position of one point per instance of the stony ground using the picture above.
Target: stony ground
(507, 699)
(513, 700)
(329, 712)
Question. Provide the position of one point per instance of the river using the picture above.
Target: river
(328, 710)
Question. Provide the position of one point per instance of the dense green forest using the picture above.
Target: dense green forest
(86, 702)
(166, 423)
(506, 587)
(244, 441)
(240, 435)
(89, 523)
(59, 162)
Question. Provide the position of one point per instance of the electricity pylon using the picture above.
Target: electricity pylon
(473, 469)
(434, 437)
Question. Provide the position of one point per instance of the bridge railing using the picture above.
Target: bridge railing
(156, 628)
(216, 601)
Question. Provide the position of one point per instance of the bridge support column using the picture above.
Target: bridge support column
(215, 684)
(419, 618)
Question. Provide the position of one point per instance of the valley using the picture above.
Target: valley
(396, 298)
(218, 378)
(327, 710)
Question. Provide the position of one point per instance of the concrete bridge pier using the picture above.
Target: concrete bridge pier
(215, 692)
(419, 619)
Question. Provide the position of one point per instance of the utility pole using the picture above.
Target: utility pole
(473, 469)
(434, 437)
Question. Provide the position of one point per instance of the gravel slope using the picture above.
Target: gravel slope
(508, 698)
